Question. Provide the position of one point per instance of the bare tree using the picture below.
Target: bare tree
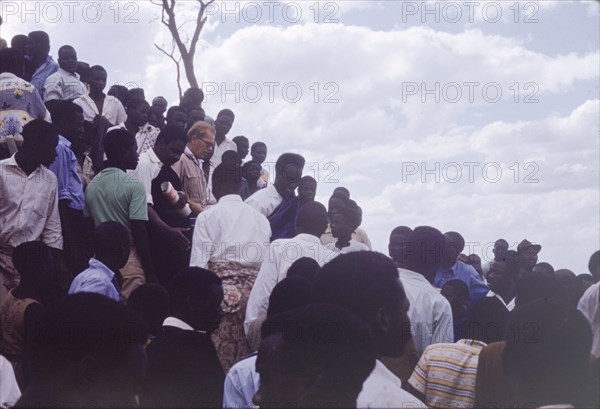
(186, 55)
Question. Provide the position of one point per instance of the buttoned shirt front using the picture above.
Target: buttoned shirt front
(42, 73)
(145, 137)
(63, 85)
(265, 200)
(429, 312)
(230, 231)
(193, 182)
(28, 206)
(280, 256)
(97, 278)
(383, 389)
(70, 186)
(19, 104)
(148, 168)
(226, 145)
(112, 109)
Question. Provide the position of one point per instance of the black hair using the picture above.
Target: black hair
(109, 238)
(532, 287)
(29, 258)
(460, 287)
(194, 93)
(171, 133)
(455, 239)
(287, 159)
(511, 258)
(342, 190)
(340, 196)
(424, 249)
(137, 93)
(312, 218)
(151, 303)
(401, 230)
(120, 92)
(352, 214)
(83, 325)
(547, 266)
(173, 110)
(240, 138)
(62, 110)
(96, 68)
(116, 142)
(257, 145)
(501, 241)
(329, 337)
(307, 178)
(65, 47)
(40, 37)
(37, 131)
(247, 166)
(191, 281)
(231, 157)
(362, 282)
(290, 293)
(548, 345)
(594, 265)
(134, 103)
(12, 60)
(228, 176)
(18, 38)
(304, 267)
(226, 112)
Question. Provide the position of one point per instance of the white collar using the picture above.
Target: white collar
(152, 156)
(510, 306)
(230, 198)
(177, 323)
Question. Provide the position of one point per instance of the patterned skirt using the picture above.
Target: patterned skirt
(229, 338)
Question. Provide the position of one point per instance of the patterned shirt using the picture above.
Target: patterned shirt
(446, 374)
(145, 138)
(19, 104)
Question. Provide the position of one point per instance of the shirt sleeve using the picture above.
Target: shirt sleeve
(418, 379)
(266, 279)
(256, 204)
(201, 243)
(443, 323)
(138, 208)
(143, 173)
(53, 88)
(233, 393)
(121, 115)
(52, 233)
(478, 288)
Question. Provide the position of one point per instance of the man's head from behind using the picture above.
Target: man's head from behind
(39, 142)
(397, 244)
(368, 284)
(227, 180)
(317, 356)
(68, 118)
(12, 61)
(112, 244)
(38, 45)
(424, 250)
(120, 148)
(288, 172)
(170, 144)
(594, 265)
(196, 295)
(500, 246)
(35, 264)
(89, 350)
(312, 219)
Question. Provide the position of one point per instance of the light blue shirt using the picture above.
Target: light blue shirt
(42, 73)
(465, 273)
(97, 279)
(241, 383)
(64, 167)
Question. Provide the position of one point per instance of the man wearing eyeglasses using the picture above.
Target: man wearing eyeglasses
(200, 148)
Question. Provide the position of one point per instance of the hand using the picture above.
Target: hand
(183, 199)
(176, 234)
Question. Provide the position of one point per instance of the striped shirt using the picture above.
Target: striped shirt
(446, 374)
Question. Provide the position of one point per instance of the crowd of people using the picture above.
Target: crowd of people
(144, 262)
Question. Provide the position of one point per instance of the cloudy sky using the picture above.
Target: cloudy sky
(480, 117)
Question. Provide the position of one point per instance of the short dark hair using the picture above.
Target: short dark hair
(40, 37)
(171, 133)
(228, 175)
(290, 293)
(547, 266)
(460, 287)
(116, 142)
(362, 282)
(231, 157)
(304, 267)
(96, 68)
(65, 47)
(532, 287)
(151, 303)
(424, 249)
(195, 93)
(134, 103)
(342, 190)
(191, 281)
(12, 60)
(352, 214)
(288, 159)
(81, 325)
(455, 238)
(500, 241)
(173, 110)
(312, 217)
(594, 265)
(29, 257)
(400, 230)
(246, 166)
(38, 130)
(510, 257)
(257, 145)
(62, 110)
(240, 138)
(226, 112)
(330, 337)
(307, 178)
(109, 237)
(120, 92)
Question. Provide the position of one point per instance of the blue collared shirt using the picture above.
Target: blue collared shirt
(44, 71)
(97, 278)
(70, 186)
(465, 273)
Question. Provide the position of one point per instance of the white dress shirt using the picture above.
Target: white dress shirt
(226, 145)
(112, 109)
(429, 312)
(265, 200)
(280, 256)
(28, 206)
(383, 389)
(63, 85)
(9, 389)
(148, 168)
(241, 383)
(354, 246)
(589, 305)
(359, 235)
(230, 231)
(510, 306)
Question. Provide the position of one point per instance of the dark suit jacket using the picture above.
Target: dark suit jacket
(183, 371)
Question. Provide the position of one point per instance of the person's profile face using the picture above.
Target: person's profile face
(259, 154)
(288, 180)
(74, 129)
(223, 124)
(97, 80)
(202, 147)
(243, 147)
(67, 60)
(170, 152)
(131, 157)
(498, 279)
(397, 246)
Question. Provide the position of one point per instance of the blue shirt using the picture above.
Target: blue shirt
(97, 279)
(44, 71)
(465, 273)
(64, 167)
